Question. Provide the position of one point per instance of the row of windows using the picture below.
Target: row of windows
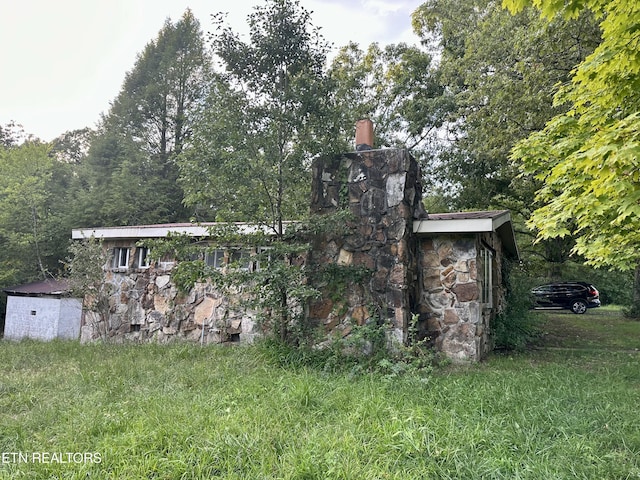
(217, 258)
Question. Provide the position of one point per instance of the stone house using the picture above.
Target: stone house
(439, 273)
(144, 302)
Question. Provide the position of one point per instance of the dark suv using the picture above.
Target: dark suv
(575, 296)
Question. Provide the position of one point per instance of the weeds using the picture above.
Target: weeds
(185, 411)
(517, 325)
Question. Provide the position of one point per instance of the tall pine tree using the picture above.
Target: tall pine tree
(130, 174)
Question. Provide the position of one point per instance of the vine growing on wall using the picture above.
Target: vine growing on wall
(267, 274)
(85, 269)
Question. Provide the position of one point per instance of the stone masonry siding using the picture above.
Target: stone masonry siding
(145, 305)
(452, 314)
(381, 190)
(440, 279)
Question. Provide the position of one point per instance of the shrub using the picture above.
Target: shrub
(516, 326)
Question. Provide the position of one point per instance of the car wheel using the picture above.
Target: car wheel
(578, 306)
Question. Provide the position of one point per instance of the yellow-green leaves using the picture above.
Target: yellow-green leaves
(591, 183)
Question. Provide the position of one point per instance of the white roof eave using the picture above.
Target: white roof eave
(501, 224)
(475, 225)
(460, 225)
(153, 231)
(134, 232)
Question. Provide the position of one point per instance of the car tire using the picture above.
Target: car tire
(578, 307)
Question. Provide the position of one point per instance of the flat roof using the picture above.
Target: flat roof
(155, 231)
(498, 221)
(462, 222)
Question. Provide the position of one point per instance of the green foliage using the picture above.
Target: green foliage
(336, 279)
(397, 87)
(12, 135)
(415, 359)
(263, 121)
(129, 175)
(366, 350)
(615, 287)
(27, 213)
(118, 184)
(517, 325)
(586, 159)
(500, 71)
(161, 93)
(84, 267)
(271, 279)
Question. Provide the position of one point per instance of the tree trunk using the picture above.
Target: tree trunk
(634, 311)
(284, 318)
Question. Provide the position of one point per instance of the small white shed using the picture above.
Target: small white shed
(42, 311)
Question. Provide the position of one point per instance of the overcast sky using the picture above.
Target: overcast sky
(63, 61)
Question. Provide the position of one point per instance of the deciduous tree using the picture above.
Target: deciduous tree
(269, 113)
(265, 119)
(587, 157)
(24, 210)
(160, 94)
(130, 174)
(501, 70)
(397, 87)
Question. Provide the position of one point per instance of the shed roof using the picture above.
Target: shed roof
(44, 287)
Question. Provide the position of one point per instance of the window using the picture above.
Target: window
(167, 262)
(120, 258)
(486, 260)
(144, 257)
(264, 257)
(214, 258)
(240, 259)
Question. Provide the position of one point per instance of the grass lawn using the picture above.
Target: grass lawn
(182, 411)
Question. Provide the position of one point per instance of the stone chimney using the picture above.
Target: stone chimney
(381, 188)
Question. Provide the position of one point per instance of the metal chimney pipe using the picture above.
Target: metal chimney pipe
(364, 134)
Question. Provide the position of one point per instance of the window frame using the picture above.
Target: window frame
(260, 252)
(117, 259)
(242, 257)
(143, 257)
(486, 282)
(218, 258)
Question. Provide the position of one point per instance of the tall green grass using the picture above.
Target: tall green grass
(187, 412)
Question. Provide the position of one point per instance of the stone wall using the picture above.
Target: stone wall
(381, 188)
(145, 305)
(452, 314)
